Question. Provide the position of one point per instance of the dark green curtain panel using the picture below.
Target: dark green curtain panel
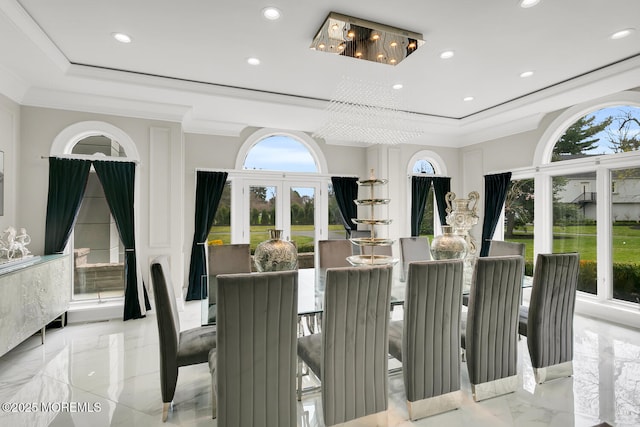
(67, 184)
(495, 193)
(209, 188)
(118, 180)
(346, 190)
(441, 186)
(419, 192)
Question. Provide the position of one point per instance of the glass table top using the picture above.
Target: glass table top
(311, 293)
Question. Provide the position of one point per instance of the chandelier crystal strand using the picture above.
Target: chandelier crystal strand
(367, 112)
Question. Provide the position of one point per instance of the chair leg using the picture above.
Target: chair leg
(214, 399)
(299, 388)
(165, 411)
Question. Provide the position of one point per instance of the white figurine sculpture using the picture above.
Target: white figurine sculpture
(12, 243)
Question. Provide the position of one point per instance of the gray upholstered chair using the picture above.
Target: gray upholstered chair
(413, 249)
(490, 332)
(225, 259)
(253, 369)
(177, 348)
(502, 248)
(548, 321)
(350, 356)
(427, 341)
(334, 253)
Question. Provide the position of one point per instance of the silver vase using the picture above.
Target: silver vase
(448, 245)
(462, 215)
(275, 254)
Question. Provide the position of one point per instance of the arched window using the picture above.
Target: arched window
(604, 131)
(587, 193)
(280, 153)
(279, 182)
(426, 163)
(99, 145)
(98, 250)
(423, 166)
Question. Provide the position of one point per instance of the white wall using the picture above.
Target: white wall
(9, 137)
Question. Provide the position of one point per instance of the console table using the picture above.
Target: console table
(33, 292)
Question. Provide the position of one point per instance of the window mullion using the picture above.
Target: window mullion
(604, 234)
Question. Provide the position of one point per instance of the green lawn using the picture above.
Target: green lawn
(582, 239)
(301, 234)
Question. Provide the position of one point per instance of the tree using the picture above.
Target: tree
(259, 193)
(579, 137)
(627, 136)
(518, 205)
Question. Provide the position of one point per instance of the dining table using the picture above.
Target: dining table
(311, 282)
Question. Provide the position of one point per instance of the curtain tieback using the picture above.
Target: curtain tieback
(201, 243)
(129, 250)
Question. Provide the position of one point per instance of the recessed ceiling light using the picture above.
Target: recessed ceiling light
(121, 37)
(397, 86)
(253, 61)
(467, 98)
(526, 74)
(447, 54)
(271, 13)
(622, 33)
(528, 3)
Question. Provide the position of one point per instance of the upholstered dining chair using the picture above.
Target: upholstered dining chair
(253, 368)
(350, 355)
(490, 330)
(413, 249)
(427, 340)
(225, 259)
(502, 248)
(334, 253)
(548, 321)
(177, 348)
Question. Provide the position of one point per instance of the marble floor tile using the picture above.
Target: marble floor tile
(113, 368)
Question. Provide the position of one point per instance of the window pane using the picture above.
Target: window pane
(262, 211)
(280, 153)
(608, 130)
(303, 211)
(625, 210)
(98, 253)
(518, 213)
(220, 232)
(99, 144)
(423, 166)
(336, 228)
(574, 223)
(426, 226)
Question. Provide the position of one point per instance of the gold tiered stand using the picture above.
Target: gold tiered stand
(373, 241)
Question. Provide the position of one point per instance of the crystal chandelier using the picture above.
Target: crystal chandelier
(369, 113)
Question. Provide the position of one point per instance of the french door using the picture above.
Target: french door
(293, 205)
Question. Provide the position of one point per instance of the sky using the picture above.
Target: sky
(281, 153)
(602, 114)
